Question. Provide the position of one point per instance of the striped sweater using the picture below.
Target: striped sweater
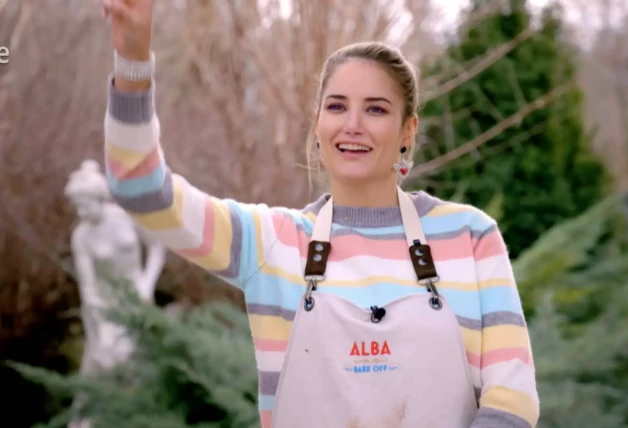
(262, 250)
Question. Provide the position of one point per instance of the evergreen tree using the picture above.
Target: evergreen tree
(541, 179)
(194, 371)
(574, 279)
(573, 373)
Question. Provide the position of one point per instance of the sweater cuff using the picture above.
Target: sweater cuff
(131, 108)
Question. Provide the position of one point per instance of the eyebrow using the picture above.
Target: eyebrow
(369, 99)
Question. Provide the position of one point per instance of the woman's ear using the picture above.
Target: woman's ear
(413, 125)
(410, 130)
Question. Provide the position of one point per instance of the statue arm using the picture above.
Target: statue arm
(155, 260)
(84, 269)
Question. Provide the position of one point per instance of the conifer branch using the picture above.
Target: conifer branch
(478, 65)
(435, 165)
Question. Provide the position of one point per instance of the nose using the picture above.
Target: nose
(353, 126)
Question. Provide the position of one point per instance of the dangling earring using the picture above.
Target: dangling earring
(403, 166)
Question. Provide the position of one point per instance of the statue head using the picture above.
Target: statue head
(88, 191)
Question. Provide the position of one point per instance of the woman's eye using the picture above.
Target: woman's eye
(376, 110)
(335, 107)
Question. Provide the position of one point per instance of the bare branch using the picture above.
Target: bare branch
(25, 13)
(479, 65)
(437, 164)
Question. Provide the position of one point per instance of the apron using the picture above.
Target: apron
(400, 366)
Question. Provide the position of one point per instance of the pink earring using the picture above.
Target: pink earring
(403, 166)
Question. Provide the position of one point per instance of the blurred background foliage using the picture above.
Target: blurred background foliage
(524, 115)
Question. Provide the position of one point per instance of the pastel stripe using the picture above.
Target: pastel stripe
(500, 299)
(497, 356)
(490, 319)
(511, 402)
(123, 158)
(473, 358)
(380, 293)
(521, 375)
(208, 231)
(451, 246)
(179, 224)
(152, 182)
(270, 360)
(266, 417)
(490, 245)
(280, 273)
(150, 202)
(266, 402)
(304, 224)
(143, 168)
(214, 253)
(270, 345)
(130, 137)
(495, 268)
(168, 218)
(497, 418)
(268, 382)
(289, 314)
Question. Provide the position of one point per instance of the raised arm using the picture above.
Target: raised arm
(221, 236)
(509, 397)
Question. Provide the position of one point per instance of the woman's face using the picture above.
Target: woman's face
(88, 207)
(360, 125)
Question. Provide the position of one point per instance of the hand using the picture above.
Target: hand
(131, 27)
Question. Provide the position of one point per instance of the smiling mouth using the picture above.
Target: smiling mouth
(352, 148)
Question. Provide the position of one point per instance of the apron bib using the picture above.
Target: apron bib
(401, 366)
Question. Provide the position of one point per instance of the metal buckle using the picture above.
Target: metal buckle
(311, 286)
(427, 281)
(435, 300)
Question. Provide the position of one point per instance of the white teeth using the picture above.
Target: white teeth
(353, 147)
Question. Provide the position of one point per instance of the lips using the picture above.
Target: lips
(353, 148)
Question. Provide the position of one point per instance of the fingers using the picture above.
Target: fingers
(117, 9)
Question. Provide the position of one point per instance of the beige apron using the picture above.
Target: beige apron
(400, 366)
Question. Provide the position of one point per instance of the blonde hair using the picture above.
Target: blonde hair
(390, 59)
(87, 181)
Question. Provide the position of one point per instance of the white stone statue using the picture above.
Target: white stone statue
(106, 246)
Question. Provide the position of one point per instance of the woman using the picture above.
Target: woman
(358, 320)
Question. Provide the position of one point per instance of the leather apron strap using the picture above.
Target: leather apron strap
(420, 252)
